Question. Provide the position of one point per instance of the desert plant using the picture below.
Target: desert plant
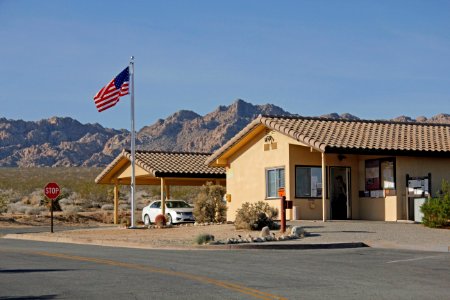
(107, 207)
(255, 216)
(204, 238)
(436, 211)
(209, 205)
(160, 220)
(4, 201)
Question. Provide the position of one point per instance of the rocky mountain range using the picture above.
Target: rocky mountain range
(66, 142)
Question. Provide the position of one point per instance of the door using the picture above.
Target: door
(339, 193)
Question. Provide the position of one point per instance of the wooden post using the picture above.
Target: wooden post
(116, 203)
(167, 189)
(163, 200)
(324, 193)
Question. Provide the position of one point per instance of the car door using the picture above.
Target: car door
(155, 209)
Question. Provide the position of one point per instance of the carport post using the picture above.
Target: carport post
(163, 200)
(324, 179)
(116, 203)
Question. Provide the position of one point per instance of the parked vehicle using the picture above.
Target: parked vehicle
(177, 211)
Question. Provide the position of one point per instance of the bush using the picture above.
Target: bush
(4, 201)
(255, 216)
(436, 211)
(209, 205)
(204, 238)
(107, 207)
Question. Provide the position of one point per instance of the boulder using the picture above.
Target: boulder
(265, 232)
(298, 231)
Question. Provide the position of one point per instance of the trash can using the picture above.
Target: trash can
(418, 215)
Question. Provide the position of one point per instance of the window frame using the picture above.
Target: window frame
(266, 171)
(295, 181)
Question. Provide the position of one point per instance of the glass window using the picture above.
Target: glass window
(156, 205)
(308, 182)
(274, 181)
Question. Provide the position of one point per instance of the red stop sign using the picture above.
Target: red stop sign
(52, 190)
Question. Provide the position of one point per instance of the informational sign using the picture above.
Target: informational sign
(418, 186)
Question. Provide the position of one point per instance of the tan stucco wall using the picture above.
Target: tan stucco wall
(246, 180)
(419, 166)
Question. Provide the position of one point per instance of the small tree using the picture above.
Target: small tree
(209, 205)
(255, 216)
(436, 211)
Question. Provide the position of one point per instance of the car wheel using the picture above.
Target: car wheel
(147, 220)
(169, 219)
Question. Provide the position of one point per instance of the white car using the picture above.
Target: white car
(177, 211)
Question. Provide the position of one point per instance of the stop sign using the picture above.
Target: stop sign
(52, 190)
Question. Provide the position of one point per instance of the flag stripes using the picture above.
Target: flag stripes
(109, 95)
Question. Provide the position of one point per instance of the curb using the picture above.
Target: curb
(253, 246)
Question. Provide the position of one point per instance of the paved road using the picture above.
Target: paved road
(65, 271)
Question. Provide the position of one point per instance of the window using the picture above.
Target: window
(308, 182)
(156, 205)
(380, 174)
(274, 181)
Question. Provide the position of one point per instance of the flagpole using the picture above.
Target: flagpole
(133, 137)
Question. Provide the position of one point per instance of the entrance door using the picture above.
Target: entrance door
(339, 193)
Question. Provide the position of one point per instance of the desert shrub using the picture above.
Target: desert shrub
(4, 201)
(71, 208)
(34, 210)
(255, 216)
(436, 211)
(209, 205)
(107, 207)
(203, 238)
(160, 220)
(125, 206)
(17, 207)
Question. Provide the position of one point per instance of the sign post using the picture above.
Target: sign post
(52, 191)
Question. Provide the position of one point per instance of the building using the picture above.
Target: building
(335, 169)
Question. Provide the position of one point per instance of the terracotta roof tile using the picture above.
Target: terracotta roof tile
(331, 134)
(175, 164)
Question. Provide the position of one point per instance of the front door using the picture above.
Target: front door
(339, 193)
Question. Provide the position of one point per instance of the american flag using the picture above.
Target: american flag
(109, 95)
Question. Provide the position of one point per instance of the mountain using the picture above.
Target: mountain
(66, 142)
(188, 131)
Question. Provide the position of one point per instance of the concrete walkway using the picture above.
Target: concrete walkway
(331, 234)
(377, 234)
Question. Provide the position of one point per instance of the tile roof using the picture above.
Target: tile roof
(171, 164)
(330, 135)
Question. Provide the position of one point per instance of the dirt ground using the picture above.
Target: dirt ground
(108, 234)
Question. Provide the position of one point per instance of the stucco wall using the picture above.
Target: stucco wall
(246, 180)
(419, 166)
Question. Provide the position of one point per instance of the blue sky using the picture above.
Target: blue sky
(374, 59)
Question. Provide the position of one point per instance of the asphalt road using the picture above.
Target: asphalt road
(38, 270)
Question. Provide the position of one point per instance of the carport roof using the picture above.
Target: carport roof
(350, 136)
(164, 164)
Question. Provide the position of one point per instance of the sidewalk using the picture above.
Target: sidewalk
(332, 234)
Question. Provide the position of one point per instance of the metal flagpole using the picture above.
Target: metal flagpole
(133, 223)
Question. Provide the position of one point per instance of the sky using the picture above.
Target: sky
(374, 59)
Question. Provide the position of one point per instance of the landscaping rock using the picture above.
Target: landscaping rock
(298, 231)
(265, 232)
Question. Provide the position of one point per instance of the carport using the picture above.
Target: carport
(160, 168)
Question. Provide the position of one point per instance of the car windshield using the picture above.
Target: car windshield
(177, 204)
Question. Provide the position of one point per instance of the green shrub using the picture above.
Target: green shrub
(204, 238)
(209, 205)
(255, 216)
(436, 211)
